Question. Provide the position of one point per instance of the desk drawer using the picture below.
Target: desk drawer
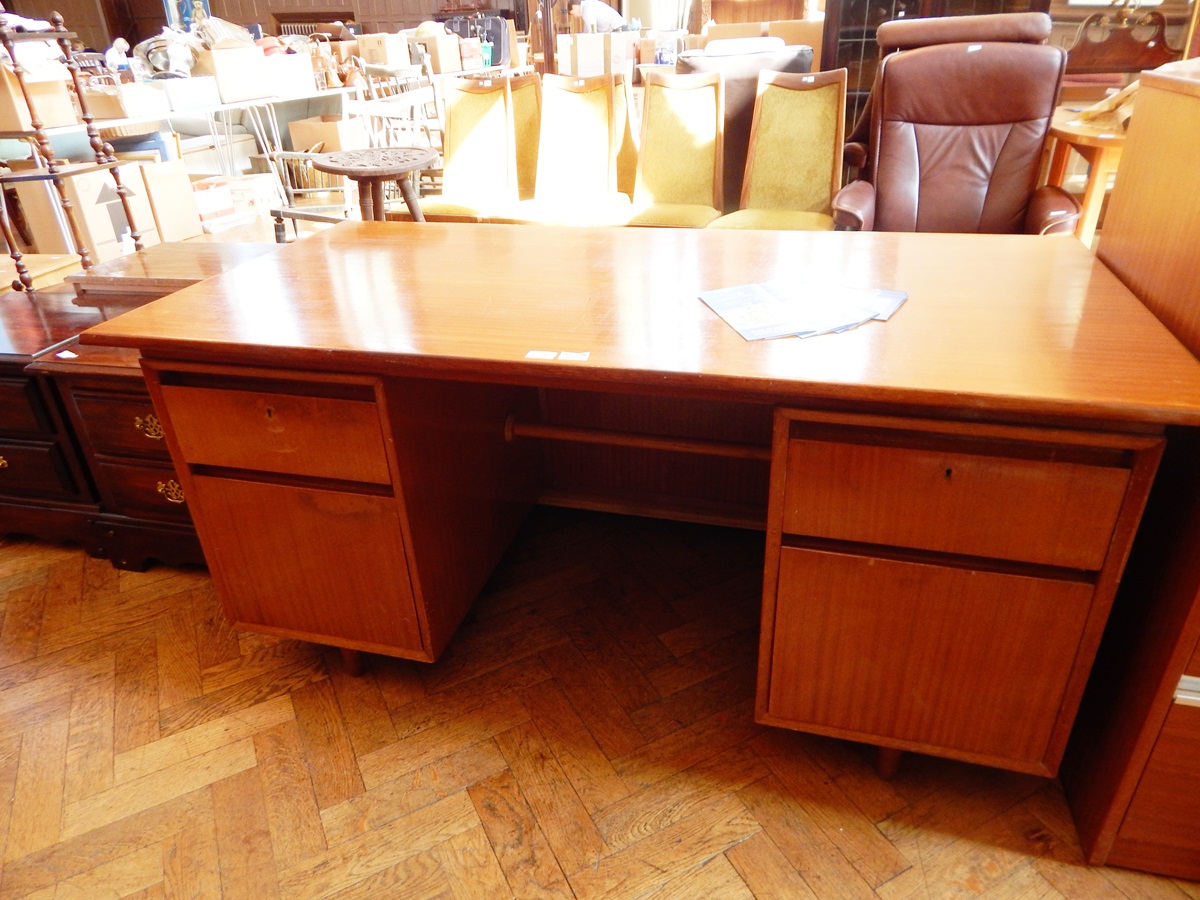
(35, 469)
(945, 498)
(142, 489)
(120, 424)
(928, 655)
(21, 409)
(293, 434)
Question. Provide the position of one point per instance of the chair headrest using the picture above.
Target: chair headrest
(736, 46)
(1021, 28)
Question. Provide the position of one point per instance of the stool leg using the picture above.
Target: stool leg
(377, 200)
(365, 208)
(409, 193)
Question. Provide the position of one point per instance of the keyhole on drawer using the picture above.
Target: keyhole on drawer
(949, 473)
(270, 413)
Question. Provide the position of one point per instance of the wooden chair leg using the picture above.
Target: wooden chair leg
(887, 762)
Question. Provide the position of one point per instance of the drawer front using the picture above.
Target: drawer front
(21, 409)
(119, 424)
(945, 500)
(318, 564)
(141, 490)
(291, 434)
(942, 658)
(36, 469)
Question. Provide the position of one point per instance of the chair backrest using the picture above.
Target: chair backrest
(680, 157)
(479, 160)
(526, 93)
(908, 34)
(741, 81)
(795, 158)
(957, 134)
(577, 144)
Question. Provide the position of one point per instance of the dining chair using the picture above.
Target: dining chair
(526, 93)
(679, 170)
(794, 163)
(578, 144)
(479, 167)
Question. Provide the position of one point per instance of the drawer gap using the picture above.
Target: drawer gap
(332, 390)
(1048, 451)
(299, 481)
(946, 560)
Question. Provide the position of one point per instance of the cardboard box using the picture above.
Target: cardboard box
(442, 50)
(583, 55)
(333, 132)
(186, 94)
(172, 200)
(290, 74)
(46, 82)
(101, 216)
(220, 197)
(343, 50)
(240, 71)
(382, 49)
(213, 197)
(118, 101)
(470, 52)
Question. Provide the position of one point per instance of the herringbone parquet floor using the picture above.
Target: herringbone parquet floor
(589, 734)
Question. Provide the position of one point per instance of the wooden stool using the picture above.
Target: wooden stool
(369, 169)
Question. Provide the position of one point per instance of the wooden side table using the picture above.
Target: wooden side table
(370, 168)
(1100, 144)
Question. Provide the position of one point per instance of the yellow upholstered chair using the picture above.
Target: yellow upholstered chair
(794, 165)
(526, 93)
(578, 145)
(679, 169)
(479, 169)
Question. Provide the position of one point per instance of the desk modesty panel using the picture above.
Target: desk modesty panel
(361, 421)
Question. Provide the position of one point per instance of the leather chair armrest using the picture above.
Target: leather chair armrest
(854, 207)
(1051, 211)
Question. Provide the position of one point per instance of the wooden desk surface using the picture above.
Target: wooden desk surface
(1015, 327)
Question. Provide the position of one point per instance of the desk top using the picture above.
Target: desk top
(1020, 328)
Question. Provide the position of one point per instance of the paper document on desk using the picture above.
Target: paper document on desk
(782, 309)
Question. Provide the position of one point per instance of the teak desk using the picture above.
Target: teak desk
(361, 420)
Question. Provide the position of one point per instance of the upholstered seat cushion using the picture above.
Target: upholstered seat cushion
(674, 215)
(774, 220)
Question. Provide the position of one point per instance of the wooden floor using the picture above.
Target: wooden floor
(589, 734)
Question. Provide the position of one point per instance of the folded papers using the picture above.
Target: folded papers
(783, 309)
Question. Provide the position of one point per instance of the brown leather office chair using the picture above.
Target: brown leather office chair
(955, 144)
(908, 34)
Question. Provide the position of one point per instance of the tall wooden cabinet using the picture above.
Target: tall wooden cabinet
(1132, 771)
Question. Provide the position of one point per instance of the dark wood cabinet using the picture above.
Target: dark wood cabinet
(142, 513)
(45, 489)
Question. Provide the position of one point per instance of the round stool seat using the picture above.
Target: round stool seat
(370, 168)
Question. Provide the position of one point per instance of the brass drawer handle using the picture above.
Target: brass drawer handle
(3, 463)
(149, 426)
(171, 491)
